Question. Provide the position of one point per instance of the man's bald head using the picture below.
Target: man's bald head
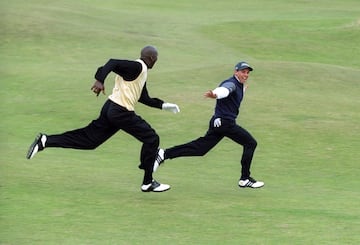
(149, 55)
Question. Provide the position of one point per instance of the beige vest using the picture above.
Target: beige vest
(127, 93)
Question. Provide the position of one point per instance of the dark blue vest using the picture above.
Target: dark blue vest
(228, 107)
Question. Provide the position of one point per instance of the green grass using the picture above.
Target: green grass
(302, 106)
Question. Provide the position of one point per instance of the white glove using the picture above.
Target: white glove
(170, 107)
(217, 122)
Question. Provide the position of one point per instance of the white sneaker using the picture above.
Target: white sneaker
(159, 159)
(155, 186)
(250, 182)
(36, 146)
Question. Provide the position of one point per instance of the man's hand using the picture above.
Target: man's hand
(246, 86)
(98, 87)
(170, 107)
(217, 122)
(210, 94)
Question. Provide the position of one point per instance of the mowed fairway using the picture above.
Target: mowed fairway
(302, 106)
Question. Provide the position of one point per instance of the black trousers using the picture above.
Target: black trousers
(214, 135)
(113, 117)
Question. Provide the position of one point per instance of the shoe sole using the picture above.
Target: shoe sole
(246, 186)
(32, 151)
(154, 190)
(162, 190)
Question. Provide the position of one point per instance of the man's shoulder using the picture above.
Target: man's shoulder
(132, 65)
(230, 82)
(231, 79)
(125, 61)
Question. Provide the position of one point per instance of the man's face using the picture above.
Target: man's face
(242, 75)
(153, 60)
